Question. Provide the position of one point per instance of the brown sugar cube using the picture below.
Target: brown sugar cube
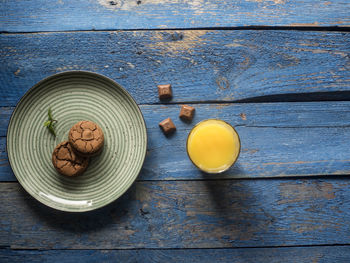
(167, 126)
(187, 112)
(164, 91)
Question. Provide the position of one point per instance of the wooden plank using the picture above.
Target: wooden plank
(201, 65)
(35, 15)
(247, 255)
(188, 214)
(6, 173)
(5, 115)
(278, 140)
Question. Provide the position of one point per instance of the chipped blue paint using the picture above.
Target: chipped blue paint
(322, 254)
(201, 66)
(35, 15)
(278, 140)
(188, 214)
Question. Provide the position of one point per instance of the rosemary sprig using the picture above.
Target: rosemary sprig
(50, 123)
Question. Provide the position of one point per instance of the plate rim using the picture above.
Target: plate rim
(27, 93)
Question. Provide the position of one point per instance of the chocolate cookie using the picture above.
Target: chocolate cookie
(67, 162)
(86, 138)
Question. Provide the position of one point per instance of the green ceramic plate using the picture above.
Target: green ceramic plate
(75, 96)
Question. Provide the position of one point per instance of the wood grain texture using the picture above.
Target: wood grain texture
(326, 254)
(35, 15)
(278, 140)
(187, 214)
(201, 65)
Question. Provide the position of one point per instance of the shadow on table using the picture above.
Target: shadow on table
(224, 192)
(233, 202)
(82, 222)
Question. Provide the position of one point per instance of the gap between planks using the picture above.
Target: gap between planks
(290, 178)
(340, 96)
(197, 248)
(278, 98)
(286, 28)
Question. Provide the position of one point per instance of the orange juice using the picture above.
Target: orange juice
(213, 146)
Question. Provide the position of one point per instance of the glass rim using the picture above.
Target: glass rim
(239, 150)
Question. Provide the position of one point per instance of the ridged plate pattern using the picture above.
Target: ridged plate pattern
(75, 96)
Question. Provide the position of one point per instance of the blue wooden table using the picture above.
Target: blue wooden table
(278, 70)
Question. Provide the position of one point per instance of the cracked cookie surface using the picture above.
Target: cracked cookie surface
(86, 138)
(67, 162)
